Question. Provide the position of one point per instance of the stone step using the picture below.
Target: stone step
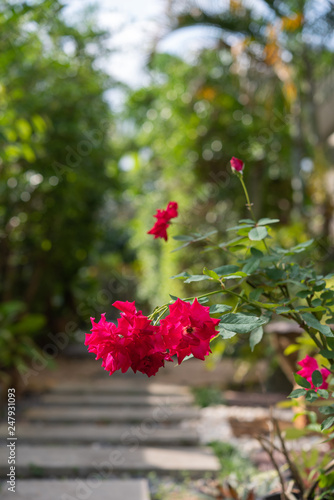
(79, 461)
(143, 434)
(74, 489)
(155, 414)
(115, 399)
(116, 385)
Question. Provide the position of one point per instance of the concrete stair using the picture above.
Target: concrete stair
(115, 429)
(75, 489)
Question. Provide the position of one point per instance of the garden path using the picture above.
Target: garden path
(94, 436)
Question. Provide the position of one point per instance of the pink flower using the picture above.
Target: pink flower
(159, 230)
(237, 164)
(133, 343)
(188, 329)
(309, 365)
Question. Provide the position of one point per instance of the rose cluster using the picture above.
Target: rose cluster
(310, 365)
(138, 344)
(159, 230)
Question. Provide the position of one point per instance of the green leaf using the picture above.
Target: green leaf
(311, 396)
(196, 237)
(235, 241)
(242, 226)
(239, 274)
(258, 233)
(319, 285)
(173, 297)
(326, 424)
(241, 323)
(211, 274)
(311, 321)
(297, 393)
(302, 246)
(317, 378)
(180, 276)
(275, 274)
(247, 221)
(225, 270)
(183, 237)
(251, 265)
(303, 294)
(203, 300)
(302, 381)
(29, 324)
(196, 277)
(328, 294)
(256, 294)
(255, 337)
(225, 334)
(323, 393)
(310, 309)
(256, 253)
(263, 222)
(327, 410)
(282, 310)
(326, 353)
(219, 308)
(187, 357)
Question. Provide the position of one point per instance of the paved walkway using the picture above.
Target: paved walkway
(98, 437)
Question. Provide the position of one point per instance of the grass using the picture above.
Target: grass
(207, 396)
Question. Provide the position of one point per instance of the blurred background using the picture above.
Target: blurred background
(108, 112)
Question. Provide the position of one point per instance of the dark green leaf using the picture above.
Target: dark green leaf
(326, 353)
(302, 381)
(275, 274)
(311, 321)
(303, 294)
(317, 378)
(29, 324)
(327, 410)
(225, 270)
(241, 323)
(328, 294)
(173, 297)
(256, 253)
(251, 265)
(297, 393)
(255, 294)
(219, 308)
(311, 396)
(319, 285)
(326, 424)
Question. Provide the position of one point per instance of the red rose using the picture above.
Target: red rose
(237, 164)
